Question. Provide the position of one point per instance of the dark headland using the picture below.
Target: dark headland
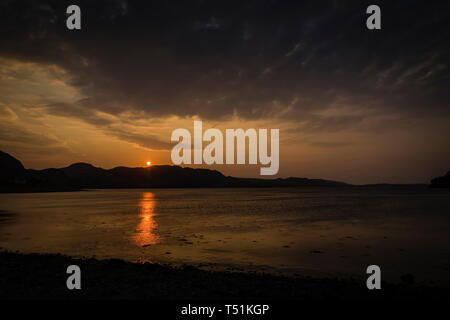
(441, 182)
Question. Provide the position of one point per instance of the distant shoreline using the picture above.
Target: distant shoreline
(369, 186)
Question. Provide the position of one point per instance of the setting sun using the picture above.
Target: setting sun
(149, 163)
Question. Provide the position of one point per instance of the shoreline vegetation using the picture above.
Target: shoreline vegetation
(43, 276)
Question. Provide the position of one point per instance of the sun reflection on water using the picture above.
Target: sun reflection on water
(145, 231)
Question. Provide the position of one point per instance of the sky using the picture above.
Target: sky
(352, 104)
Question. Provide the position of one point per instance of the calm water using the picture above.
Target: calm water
(313, 231)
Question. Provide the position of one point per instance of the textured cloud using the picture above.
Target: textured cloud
(251, 59)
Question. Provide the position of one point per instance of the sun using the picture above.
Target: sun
(149, 163)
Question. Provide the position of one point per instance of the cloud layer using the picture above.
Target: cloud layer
(253, 59)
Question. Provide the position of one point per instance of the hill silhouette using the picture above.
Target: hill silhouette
(12, 171)
(15, 178)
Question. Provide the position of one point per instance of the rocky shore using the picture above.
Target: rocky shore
(43, 276)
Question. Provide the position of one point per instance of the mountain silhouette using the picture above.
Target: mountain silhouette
(15, 178)
(12, 171)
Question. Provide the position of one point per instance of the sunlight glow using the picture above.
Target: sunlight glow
(146, 230)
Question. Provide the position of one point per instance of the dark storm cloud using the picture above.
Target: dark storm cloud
(77, 111)
(250, 58)
(146, 141)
